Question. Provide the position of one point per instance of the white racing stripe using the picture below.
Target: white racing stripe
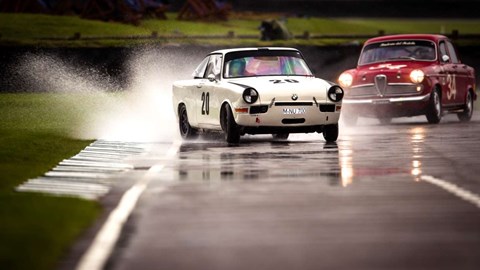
(454, 189)
(98, 253)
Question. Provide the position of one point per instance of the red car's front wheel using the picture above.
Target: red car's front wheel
(434, 111)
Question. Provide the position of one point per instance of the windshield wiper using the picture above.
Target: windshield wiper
(402, 57)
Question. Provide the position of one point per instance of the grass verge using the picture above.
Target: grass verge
(29, 29)
(36, 230)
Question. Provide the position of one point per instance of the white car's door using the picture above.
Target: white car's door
(202, 101)
(196, 94)
(205, 90)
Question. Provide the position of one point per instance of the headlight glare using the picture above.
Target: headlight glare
(345, 79)
(250, 95)
(335, 93)
(417, 76)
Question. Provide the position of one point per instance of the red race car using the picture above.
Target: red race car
(408, 75)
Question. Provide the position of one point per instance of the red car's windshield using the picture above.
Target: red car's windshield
(422, 50)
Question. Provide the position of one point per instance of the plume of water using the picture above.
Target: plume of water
(141, 110)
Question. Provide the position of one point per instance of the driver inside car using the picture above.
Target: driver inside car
(237, 68)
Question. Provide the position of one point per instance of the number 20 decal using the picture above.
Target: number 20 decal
(205, 103)
(284, 81)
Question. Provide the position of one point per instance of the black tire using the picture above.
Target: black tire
(186, 131)
(467, 113)
(434, 110)
(229, 126)
(280, 136)
(330, 133)
(385, 120)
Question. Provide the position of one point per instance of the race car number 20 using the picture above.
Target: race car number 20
(205, 103)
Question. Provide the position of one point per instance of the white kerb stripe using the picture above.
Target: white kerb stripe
(98, 253)
(454, 189)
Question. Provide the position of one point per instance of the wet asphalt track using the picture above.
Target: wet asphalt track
(362, 203)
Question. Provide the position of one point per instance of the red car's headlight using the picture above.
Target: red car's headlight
(345, 79)
(417, 76)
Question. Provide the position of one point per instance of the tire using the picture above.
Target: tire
(385, 121)
(186, 131)
(280, 136)
(330, 133)
(434, 110)
(229, 126)
(467, 113)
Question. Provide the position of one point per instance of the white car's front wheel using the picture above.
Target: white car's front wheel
(330, 133)
(229, 126)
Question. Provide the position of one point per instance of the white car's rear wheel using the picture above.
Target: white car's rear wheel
(229, 126)
(466, 115)
(330, 133)
(186, 131)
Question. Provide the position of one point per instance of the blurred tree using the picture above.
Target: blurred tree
(204, 9)
(24, 6)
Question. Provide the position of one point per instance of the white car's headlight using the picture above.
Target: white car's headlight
(250, 95)
(417, 76)
(335, 93)
(345, 79)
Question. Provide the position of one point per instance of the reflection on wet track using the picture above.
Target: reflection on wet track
(280, 161)
(361, 203)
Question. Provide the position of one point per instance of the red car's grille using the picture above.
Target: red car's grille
(367, 90)
(381, 83)
(363, 90)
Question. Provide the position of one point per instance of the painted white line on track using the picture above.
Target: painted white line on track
(98, 253)
(454, 189)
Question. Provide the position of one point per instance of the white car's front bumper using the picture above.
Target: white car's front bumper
(292, 116)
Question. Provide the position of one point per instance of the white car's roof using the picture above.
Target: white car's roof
(224, 51)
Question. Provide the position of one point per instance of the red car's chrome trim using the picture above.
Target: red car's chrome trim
(386, 100)
(362, 85)
(372, 84)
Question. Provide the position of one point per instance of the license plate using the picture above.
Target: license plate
(294, 111)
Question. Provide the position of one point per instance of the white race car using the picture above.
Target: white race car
(256, 91)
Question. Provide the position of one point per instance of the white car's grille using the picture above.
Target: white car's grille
(293, 103)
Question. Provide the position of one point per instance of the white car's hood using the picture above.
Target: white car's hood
(283, 88)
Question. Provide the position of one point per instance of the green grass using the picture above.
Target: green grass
(35, 134)
(29, 29)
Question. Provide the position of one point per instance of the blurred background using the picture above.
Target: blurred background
(73, 69)
(102, 33)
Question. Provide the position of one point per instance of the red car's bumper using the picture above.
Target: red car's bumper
(386, 106)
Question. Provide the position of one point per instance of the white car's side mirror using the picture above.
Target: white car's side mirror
(211, 78)
(445, 58)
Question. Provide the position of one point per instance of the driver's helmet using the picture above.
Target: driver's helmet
(237, 67)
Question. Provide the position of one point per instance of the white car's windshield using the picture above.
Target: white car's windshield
(422, 50)
(264, 63)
